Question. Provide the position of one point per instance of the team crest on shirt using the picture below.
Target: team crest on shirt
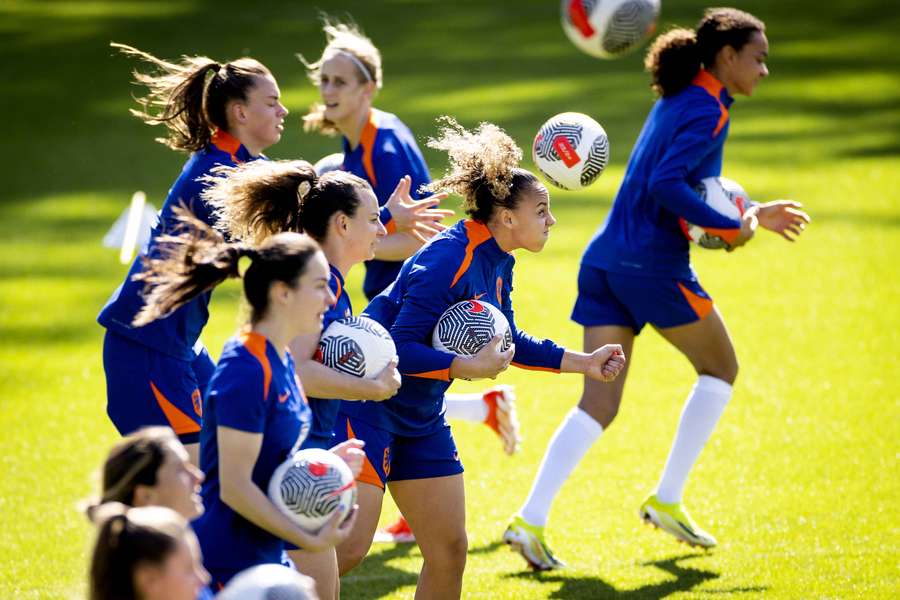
(197, 401)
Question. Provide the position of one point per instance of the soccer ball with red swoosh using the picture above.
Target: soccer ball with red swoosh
(467, 327)
(311, 485)
(608, 28)
(571, 150)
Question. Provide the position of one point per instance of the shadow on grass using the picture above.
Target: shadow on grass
(685, 580)
(375, 577)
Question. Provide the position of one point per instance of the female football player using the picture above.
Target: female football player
(256, 410)
(146, 553)
(381, 149)
(409, 446)
(223, 114)
(636, 270)
(339, 211)
(151, 468)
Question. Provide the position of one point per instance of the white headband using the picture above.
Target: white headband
(359, 64)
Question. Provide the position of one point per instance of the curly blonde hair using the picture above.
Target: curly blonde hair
(345, 38)
(484, 167)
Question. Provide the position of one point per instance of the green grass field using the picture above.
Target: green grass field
(800, 483)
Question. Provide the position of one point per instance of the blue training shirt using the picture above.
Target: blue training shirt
(176, 334)
(252, 390)
(463, 262)
(386, 152)
(324, 411)
(681, 143)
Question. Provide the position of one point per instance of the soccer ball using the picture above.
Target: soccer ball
(310, 486)
(269, 582)
(467, 327)
(357, 346)
(571, 150)
(332, 162)
(609, 28)
(724, 196)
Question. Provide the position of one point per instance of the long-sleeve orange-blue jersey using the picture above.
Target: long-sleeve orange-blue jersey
(681, 143)
(462, 263)
(177, 333)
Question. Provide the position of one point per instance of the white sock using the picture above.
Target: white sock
(701, 412)
(572, 439)
(468, 407)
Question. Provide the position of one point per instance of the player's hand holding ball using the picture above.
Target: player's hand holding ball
(335, 531)
(386, 383)
(749, 221)
(487, 363)
(605, 363)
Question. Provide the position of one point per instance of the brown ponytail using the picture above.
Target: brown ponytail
(261, 198)
(190, 97)
(676, 56)
(195, 259)
(126, 539)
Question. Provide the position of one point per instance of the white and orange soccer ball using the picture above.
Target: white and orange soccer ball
(467, 327)
(724, 196)
(311, 485)
(571, 150)
(609, 28)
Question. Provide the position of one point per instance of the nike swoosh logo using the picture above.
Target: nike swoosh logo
(282, 398)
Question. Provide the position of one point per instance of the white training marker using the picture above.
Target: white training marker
(132, 226)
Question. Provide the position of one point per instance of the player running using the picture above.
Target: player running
(636, 270)
(339, 211)
(223, 114)
(381, 149)
(409, 446)
(256, 413)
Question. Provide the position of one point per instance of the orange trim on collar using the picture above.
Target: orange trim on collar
(226, 142)
(478, 233)
(713, 87)
(255, 344)
(367, 139)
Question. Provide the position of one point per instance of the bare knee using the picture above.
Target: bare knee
(351, 553)
(450, 554)
(727, 370)
(603, 408)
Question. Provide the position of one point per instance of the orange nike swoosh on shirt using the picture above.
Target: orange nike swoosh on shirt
(282, 398)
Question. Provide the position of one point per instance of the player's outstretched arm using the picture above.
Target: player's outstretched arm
(783, 217)
(603, 364)
(419, 218)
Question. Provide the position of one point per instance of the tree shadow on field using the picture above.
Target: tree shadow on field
(375, 577)
(685, 579)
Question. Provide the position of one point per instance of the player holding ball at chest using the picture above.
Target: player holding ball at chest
(409, 445)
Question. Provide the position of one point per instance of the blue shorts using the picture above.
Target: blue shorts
(392, 457)
(146, 387)
(606, 298)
